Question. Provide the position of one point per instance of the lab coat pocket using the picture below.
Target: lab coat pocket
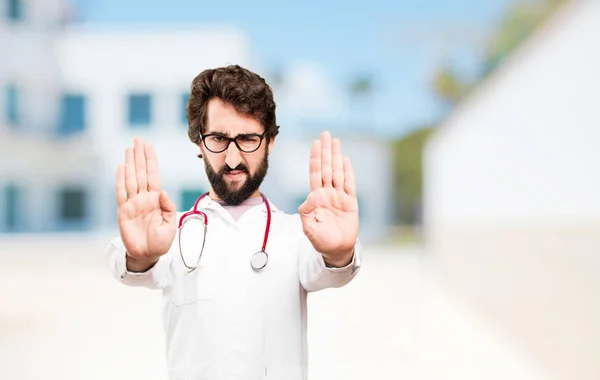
(199, 285)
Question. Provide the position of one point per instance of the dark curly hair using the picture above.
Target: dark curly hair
(246, 91)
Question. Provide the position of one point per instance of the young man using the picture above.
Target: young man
(235, 270)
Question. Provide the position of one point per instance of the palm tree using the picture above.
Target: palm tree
(361, 94)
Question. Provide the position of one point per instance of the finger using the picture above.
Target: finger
(326, 171)
(338, 164)
(130, 179)
(168, 207)
(316, 181)
(120, 189)
(152, 168)
(349, 180)
(140, 165)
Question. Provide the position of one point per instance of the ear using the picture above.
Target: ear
(201, 151)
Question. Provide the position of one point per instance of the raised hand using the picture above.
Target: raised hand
(330, 213)
(147, 217)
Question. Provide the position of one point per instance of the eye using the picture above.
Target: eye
(249, 138)
(217, 138)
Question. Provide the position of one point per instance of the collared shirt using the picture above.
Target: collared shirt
(227, 321)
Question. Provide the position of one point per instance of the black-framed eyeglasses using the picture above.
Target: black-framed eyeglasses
(245, 142)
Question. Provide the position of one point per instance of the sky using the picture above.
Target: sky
(397, 43)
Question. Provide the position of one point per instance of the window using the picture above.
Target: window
(13, 199)
(139, 110)
(188, 197)
(14, 10)
(72, 205)
(184, 100)
(72, 116)
(12, 106)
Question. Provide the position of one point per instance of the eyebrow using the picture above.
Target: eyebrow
(216, 133)
(226, 135)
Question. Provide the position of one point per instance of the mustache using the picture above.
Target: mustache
(241, 167)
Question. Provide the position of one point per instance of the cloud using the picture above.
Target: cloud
(308, 92)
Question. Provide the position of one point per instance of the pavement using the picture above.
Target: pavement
(63, 317)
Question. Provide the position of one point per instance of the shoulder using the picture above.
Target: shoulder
(286, 219)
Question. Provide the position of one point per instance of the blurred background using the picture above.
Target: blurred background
(473, 128)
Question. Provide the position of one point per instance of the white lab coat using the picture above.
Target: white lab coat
(226, 321)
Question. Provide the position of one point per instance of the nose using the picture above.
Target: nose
(233, 156)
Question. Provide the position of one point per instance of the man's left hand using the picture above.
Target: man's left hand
(330, 213)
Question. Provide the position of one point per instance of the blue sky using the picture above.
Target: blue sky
(397, 42)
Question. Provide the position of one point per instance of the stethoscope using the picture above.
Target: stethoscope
(258, 260)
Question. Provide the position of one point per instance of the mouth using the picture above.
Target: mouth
(235, 174)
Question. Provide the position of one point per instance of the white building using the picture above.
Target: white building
(512, 196)
(73, 98)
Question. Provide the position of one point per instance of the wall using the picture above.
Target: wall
(511, 199)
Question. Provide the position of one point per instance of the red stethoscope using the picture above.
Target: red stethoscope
(258, 260)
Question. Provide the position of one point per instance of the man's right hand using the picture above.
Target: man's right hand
(147, 217)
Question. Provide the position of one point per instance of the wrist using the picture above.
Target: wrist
(339, 261)
(134, 264)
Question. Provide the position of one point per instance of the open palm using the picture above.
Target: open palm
(147, 217)
(330, 213)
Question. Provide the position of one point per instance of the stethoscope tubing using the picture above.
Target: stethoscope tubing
(195, 214)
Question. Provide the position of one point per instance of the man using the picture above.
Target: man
(235, 291)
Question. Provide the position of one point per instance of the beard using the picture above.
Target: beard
(249, 187)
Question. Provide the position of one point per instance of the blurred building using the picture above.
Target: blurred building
(73, 97)
(512, 200)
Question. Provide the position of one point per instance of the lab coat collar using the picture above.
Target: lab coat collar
(210, 204)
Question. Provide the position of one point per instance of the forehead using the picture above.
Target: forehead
(223, 117)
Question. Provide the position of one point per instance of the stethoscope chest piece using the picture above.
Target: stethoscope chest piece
(259, 260)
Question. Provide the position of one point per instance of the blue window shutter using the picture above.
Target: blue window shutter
(12, 202)
(188, 197)
(12, 105)
(15, 10)
(139, 110)
(72, 205)
(73, 112)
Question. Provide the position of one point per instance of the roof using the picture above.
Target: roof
(543, 35)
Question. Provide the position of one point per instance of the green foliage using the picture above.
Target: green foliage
(408, 174)
(448, 86)
(518, 23)
(520, 20)
(361, 85)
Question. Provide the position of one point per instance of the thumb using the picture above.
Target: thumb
(307, 215)
(308, 206)
(167, 206)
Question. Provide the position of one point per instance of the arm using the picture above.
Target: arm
(330, 255)
(316, 274)
(141, 256)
